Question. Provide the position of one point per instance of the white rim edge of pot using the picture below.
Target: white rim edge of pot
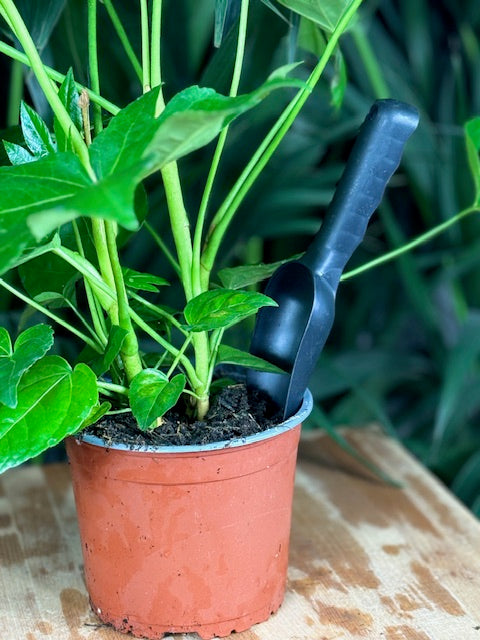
(300, 416)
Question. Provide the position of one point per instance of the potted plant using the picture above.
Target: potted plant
(179, 527)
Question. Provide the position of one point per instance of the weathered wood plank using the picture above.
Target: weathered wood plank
(367, 560)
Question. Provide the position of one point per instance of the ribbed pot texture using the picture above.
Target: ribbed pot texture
(190, 541)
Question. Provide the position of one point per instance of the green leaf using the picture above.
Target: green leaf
(311, 37)
(143, 281)
(36, 133)
(116, 338)
(53, 402)
(137, 141)
(472, 139)
(246, 275)
(226, 12)
(28, 188)
(221, 8)
(111, 199)
(96, 413)
(230, 355)
(222, 308)
(17, 154)
(338, 82)
(195, 116)
(273, 8)
(152, 395)
(123, 143)
(326, 13)
(30, 346)
(5, 343)
(68, 94)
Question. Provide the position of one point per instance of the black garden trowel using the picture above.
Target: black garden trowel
(293, 334)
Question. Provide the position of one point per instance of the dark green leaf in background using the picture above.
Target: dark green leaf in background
(458, 367)
(40, 16)
(472, 139)
(226, 13)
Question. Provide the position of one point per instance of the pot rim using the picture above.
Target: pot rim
(303, 412)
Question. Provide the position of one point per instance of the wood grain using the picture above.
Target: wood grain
(367, 561)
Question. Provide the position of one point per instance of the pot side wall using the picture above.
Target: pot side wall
(188, 541)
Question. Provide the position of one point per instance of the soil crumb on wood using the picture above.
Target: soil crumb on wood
(234, 413)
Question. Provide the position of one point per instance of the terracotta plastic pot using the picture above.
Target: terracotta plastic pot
(183, 539)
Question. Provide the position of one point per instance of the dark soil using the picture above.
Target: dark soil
(233, 414)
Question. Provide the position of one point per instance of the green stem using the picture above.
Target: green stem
(73, 308)
(116, 388)
(104, 233)
(14, 18)
(237, 71)
(14, 54)
(180, 355)
(163, 247)
(179, 224)
(409, 246)
(140, 322)
(216, 342)
(35, 305)
(122, 35)
(159, 312)
(97, 317)
(145, 47)
(263, 154)
(129, 352)
(93, 62)
(156, 73)
(15, 93)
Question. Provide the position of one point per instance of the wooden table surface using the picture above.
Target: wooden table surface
(367, 561)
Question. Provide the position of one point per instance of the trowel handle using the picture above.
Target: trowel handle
(374, 157)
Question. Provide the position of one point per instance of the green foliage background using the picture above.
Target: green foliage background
(406, 341)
